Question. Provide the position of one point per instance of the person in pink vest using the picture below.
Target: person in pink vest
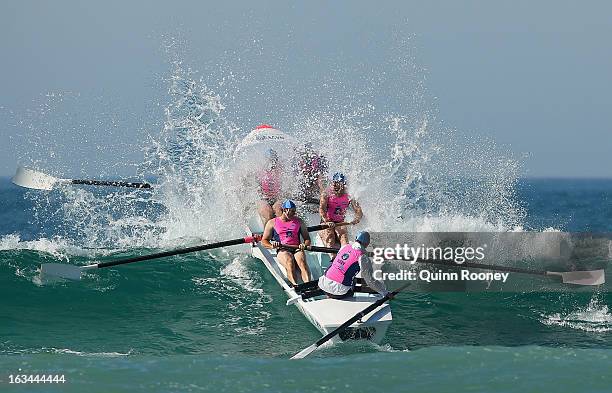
(287, 229)
(332, 207)
(338, 280)
(310, 168)
(270, 187)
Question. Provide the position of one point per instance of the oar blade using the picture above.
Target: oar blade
(61, 270)
(29, 178)
(593, 277)
(305, 352)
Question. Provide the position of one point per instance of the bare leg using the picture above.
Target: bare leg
(328, 237)
(265, 211)
(300, 259)
(342, 235)
(286, 259)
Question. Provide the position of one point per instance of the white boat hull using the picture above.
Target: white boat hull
(324, 313)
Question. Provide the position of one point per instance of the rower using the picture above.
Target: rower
(270, 187)
(287, 229)
(338, 280)
(311, 169)
(332, 207)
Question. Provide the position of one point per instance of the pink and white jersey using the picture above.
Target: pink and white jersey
(345, 266)
(337, 205)
(270, 183)
(287, 232)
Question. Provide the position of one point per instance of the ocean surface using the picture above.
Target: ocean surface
(216, 321)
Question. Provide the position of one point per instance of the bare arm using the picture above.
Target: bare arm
(320, 184)
(305, 234)
(323, 207)
(267, 235)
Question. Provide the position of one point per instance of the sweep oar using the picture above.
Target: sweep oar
(30, 178)
(307, 351)
(580, 277)
(72, 272)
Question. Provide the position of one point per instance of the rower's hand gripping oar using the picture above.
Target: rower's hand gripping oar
(584, 277)
(30, 178)
(307, 351)
(74, 272)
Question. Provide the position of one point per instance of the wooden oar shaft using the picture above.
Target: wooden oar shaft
(321, 227)
(313, 248)
(226, 243)
(110, 183)
(330, 250)
(74, 272)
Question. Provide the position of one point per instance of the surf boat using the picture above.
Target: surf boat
(324, 313)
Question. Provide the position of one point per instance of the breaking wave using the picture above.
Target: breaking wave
(409, 171)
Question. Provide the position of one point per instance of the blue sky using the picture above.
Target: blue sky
(533, 76)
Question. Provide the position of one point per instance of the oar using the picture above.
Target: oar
(321, 227)
(30, 178)
(72, 272)
(581, 277)
(313, 248)
(307, 351)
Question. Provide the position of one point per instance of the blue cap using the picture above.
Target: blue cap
(363, 237)
(339, 177)
(288, 204)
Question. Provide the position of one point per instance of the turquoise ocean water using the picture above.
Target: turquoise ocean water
(216, 321)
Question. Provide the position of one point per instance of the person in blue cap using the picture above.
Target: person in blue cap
(310, 168)
(333, 205)
(339, 278)
(286, 230)
(270, 187)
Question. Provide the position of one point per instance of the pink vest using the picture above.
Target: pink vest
(270, 184)
(288, 232)
(337, 205)
(345, 266)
